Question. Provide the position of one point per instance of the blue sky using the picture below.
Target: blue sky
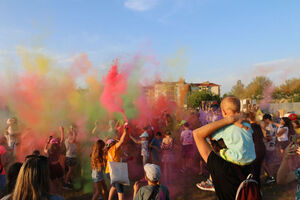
(223, 40)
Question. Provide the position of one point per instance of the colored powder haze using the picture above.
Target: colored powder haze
(44, 96)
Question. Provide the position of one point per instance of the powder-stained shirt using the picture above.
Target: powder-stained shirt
(144, 149)
(240, 146)
(271, 130)
(187, 137)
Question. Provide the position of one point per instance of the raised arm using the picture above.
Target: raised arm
(135, 140)
(203, 132)
(284, 175)
(47, 145)
(276, 124)
(122, 139)
(73, 138)
(62, 134)
(95, 128)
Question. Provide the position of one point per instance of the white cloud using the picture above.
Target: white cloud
(278, 69)
(140, 5)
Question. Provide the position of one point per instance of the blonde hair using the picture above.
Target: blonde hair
(33, 180)
(231, 103)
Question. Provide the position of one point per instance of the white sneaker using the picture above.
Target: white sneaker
(206, 185)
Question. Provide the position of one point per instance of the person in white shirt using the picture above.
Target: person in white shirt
(11, 132)
(144, 146)
(269, 130)
(71, 155)
(284, 131)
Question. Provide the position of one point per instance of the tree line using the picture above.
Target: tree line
(262, 86)
(259, 88)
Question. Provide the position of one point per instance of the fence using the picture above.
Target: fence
(288, 107)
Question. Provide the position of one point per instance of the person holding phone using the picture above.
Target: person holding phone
(296, 125)
(285, 175)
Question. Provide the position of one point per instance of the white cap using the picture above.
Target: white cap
(152, 172)
(145, 134)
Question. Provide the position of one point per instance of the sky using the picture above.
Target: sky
(222, 40)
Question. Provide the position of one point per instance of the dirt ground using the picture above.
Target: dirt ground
(184, 187)
(187, 190)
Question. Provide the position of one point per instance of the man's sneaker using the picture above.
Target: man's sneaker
(206, 185)
(67, 186)
(270, 180)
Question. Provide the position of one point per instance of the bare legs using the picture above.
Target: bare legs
(99, 188)
(113, 191)
(69, 174)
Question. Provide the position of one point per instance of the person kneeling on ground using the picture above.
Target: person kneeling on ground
(153, 190)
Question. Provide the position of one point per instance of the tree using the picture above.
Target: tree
(296, 98)
(261, 86)
(238, 90)
(195, 98)
(256, 87)
(290, 87)
(226, 94)
(277, 94)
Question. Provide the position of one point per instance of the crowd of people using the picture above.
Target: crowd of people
(217, 141)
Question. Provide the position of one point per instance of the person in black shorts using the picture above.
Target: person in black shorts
(226, 176)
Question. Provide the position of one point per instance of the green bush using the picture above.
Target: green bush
(195, 98)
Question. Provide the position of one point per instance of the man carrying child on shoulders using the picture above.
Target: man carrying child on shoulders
(227, 166)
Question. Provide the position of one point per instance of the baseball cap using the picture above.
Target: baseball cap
(145, 134)
(110, 141)
(152, 172)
